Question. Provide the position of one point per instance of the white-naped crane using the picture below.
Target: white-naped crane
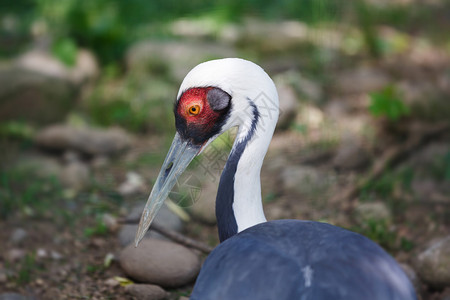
(259, 259)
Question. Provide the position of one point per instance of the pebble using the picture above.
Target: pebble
(288, 105)
(160, 262)
(15, 254)
(112, 282)
(41, 253)
(205, 208)
(18, 235)
(75, 175)
(304, 180)
(110, 222)
(89, 141)
(351, 155)
(361, 80)
(3, 277)
(433, 264)
(55, 255)
(133, 184)
(12, 296)
(146, 291)
(165, 218)
(100, 162)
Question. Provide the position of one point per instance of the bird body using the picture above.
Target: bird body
(284, 259)
(293, 259)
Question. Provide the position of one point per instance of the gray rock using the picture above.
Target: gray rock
(165, 218)
(75, 175)
(351, 155)
(100, 162)
(160, 262)
(43, 88)
(85, 69)
(306, 89)
(133, 184)
(86, 140)
(146, 291)
(3, 276)
(110, 221)
(18, 235)
(71, 156)
(433, 264)
(288, 104)
(305, 180)
(41, 166)
(362, 80)
(372, 211)
(13, 296)
(311, 116)
(204, 209)
(15, 254)
(178, 57)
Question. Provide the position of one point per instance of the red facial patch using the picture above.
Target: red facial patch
(194, 107)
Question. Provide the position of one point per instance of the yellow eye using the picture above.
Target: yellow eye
(194, 110)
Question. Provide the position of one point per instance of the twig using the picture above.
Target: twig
(391, 157)
(174, 236)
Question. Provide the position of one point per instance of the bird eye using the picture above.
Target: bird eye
(194, 110)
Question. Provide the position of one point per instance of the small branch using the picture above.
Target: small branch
(174, 236)
(391, 157)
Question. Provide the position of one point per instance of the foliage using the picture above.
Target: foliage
(65, 50)
(16, 130)
(379, 232)
(366, 22)
(98, 229)
(388, 103)
(137, 103)
(27, 267)
(23, 191)
(109, 26)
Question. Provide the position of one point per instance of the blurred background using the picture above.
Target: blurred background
(86, 97)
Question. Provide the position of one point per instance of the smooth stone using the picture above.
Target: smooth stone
(89, 141)
(75, 175)
(204, 209)
(146, 291)
(15, 254)
(13, 296)
(133, 184)
(160, 262)
(177, 57)
(165, 218)
(43, 87)
(433, 264)
(42, 166)
(288, 102)
(305, 180)
(361, 80)
(351, 155)
(18, 235)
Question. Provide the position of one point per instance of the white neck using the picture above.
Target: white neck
(247, 205)
(239, 194)
(254, 110)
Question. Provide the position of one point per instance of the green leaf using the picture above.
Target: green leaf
(387, 103)
(66, 51)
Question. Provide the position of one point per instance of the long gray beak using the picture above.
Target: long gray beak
(180, 155)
